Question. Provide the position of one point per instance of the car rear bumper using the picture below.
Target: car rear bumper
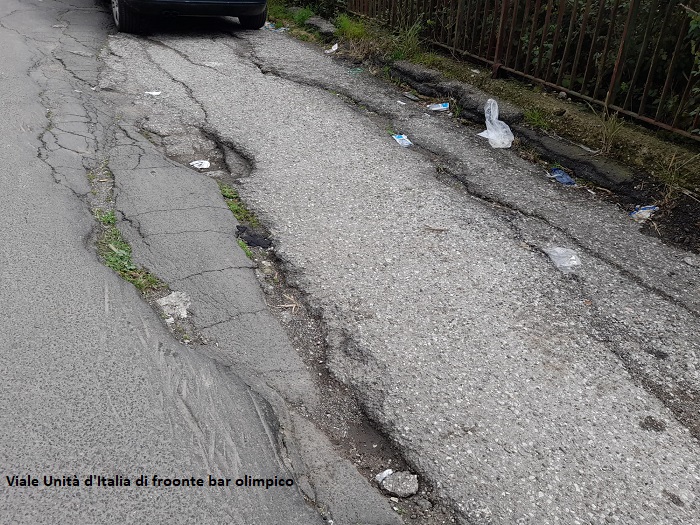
(198, 7)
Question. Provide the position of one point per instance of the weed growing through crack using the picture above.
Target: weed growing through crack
(246, 249)
(106, 217)
(234, 203)
(116, 254)
(111, 246)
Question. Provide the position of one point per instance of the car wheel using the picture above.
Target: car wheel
(125, 18)
(254, 21)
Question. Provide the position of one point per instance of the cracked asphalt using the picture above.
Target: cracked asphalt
(517, 393)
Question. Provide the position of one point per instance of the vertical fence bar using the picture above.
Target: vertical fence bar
(545, 30)
(667, 85)
(484, 35)
(501, 25)
(481, 51)
(533, 34)
(460, 8)
(512, 32)
(555, 43)
(567, 45)
(579, 46)
(684, 100)
(604, 56)
(627, 34)
(654, 60)
(523, 30)
(468, 35)
(591, 53)
(642, 55)
(473, 47)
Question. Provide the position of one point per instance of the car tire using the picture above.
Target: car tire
(125, 18)
(254, 21)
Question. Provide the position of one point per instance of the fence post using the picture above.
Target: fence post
(501, 28)
(621, 53)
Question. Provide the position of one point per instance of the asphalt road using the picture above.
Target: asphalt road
(521, 394)
(105, 417)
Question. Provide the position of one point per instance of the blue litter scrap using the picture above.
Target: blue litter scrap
(642, 213)
(561, 176)
(403, 140)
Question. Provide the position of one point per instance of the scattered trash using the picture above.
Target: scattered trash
(560, 175)
(401, 102)
(152, 93)
(497, 131)
(332, 49)
(271, 27)
(475, 71)
(643, 213)
(355, 70)
(200, 164)
(251, 238)
(411, 96)
(175, 305)
(380, 477)
(443, 106)
(401, 484)
(564, 259)
(403, 140)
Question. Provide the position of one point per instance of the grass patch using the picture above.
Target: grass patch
(350, 28)
(106, 217)
(407, 43)
(116, 254)
(277, 11)
(301, 16)
(536, 119)
(234, 203)
(246, 249)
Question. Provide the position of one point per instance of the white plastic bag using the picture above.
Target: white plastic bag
(497, 131)
(564, 259)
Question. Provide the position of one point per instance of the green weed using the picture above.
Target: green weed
(246, 249)
(407, 43)
(350, 28)
(105, 217)
(536, 119)
(610, 125)
(277, 11)
(116, 254)
(234, 203)
(301, 16)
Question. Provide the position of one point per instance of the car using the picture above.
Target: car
(130, 15)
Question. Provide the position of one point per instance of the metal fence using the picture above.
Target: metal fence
(633, 56)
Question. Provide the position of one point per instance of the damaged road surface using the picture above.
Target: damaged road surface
(105, 417)
(518, 393)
